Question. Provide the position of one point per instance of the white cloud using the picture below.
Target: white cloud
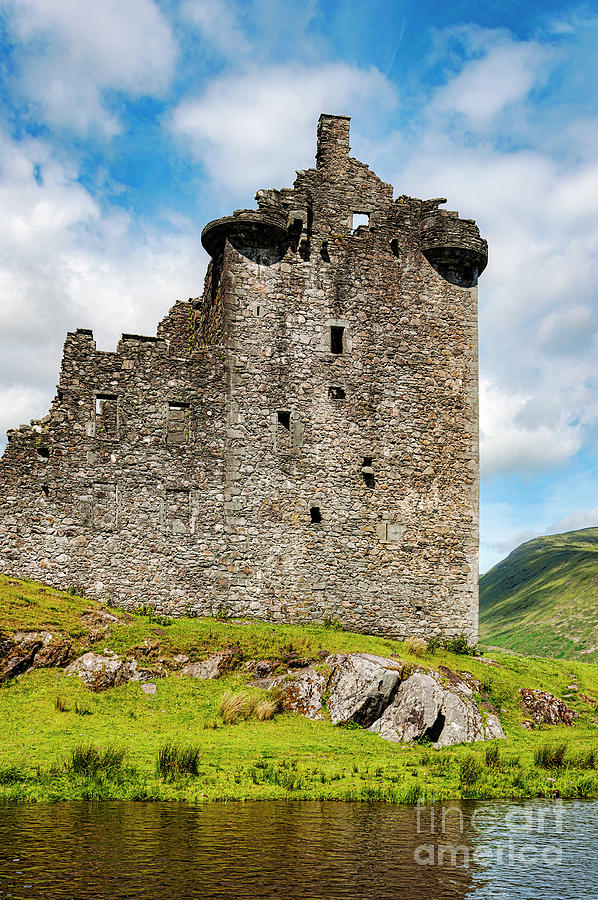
(573, 521)
(515, 436)
(71, 52)
(501, 77)
(64, 264)
(218, 21)
(251, 129)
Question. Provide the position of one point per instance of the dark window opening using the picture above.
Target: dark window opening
(336, 338)
(324, 251)
(394, 246)
(284, 419)
(45, 490)
(367, 472)
(336, 393)
(59, 395)
(106, 413)
(315, 514)
(44, 452)
(418, 608)
(304, 249)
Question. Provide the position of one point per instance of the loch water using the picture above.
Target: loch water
(534, 850)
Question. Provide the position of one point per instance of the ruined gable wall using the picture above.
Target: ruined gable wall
(127, 502)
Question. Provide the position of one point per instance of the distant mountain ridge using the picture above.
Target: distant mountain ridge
(543, 598)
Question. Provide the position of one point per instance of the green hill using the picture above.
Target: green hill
(543, 598)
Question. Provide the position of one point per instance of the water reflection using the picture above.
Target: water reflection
(289, 850)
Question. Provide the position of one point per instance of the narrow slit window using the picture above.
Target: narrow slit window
(178, 423)
(315, 515)
(337, 333)
(44, 452)
(106, 416)
(394, 246)
(283, 429)
(359, 219)
(336, 393)
(324, 251)
(367, 472)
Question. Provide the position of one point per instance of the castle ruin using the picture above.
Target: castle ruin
(299, 444)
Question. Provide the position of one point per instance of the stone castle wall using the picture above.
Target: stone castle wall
(298, 444)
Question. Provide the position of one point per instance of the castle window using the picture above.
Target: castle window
(177, 509)
(337, 333)
(45, 490)
(336, 393)
(324, 251)
(359, 219)
(106, 416)
(283, 429)
(44, 452)
(368, 472)
(394, 246)
(315, 515)
(178, 423)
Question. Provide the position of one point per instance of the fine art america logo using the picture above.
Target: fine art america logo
(521, 836)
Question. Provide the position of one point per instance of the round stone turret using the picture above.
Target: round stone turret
(259, 235)
(451, 245)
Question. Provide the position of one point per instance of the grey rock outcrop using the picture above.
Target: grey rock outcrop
(212, 667)
(102, 671)
(414, 711)
(361, 687)
(303, 693)
(545, 708)
(32, 650)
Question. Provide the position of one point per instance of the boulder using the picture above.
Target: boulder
(414, 710)
(32, 649)
(446, 715)
(545, 708)
(303, 693)
(212, 667)
(361, 687)
(100, 671)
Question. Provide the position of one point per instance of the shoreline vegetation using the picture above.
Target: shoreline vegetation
(221, 739)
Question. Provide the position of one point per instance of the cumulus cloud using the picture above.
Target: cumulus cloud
(69, 54)
(66, 264)
(503, 75)
(518, 434)
(250, 129)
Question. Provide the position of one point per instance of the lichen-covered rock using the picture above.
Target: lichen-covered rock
(361, 687)
(213, 667)
(459, 720)
(545, 708)
(102, 671)
(303, 692)
(32, 650)
(493, 729)
(414, 710)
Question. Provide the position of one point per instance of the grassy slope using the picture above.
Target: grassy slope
(288, 756)
(543, 598)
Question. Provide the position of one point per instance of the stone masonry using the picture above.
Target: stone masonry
(299, 444)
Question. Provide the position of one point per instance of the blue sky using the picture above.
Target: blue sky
(127, 126)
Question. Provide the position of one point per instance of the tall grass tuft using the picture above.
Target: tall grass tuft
(235, 706)
(60, 704)
(469, 770)
(550, 756)
(416, 646)
(586, 759)
(174, 761)
(93, 761)
(493, 756)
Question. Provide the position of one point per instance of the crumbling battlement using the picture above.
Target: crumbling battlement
(299, 443)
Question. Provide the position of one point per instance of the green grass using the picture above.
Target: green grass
(286, 756)
(543, 598)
